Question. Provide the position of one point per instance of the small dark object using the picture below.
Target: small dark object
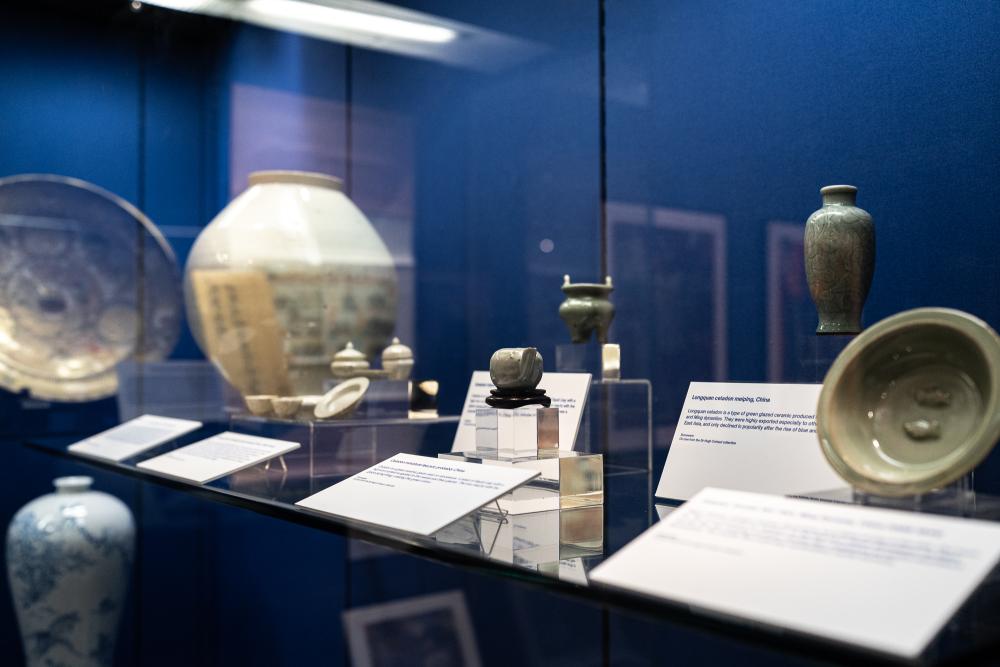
(508, 400)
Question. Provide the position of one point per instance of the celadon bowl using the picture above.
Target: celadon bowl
(913, 403)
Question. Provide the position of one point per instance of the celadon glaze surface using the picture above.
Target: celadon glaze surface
(516, 368)
(840, 260)
(587, 309)
(913, 403)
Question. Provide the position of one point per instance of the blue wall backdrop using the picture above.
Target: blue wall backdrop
(694, 163)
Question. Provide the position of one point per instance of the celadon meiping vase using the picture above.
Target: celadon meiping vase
(69, 555)
(840, 260)
(284, 277)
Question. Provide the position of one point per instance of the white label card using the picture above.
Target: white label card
(567, 390)
(218, 456)
(417, 494)
(748, 437)
(134, 437)
(883, 579)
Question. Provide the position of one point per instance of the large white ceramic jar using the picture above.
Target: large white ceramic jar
(286, 275)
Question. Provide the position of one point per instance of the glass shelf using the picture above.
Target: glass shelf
(553, 550)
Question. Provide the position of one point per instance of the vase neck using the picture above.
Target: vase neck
(77, 484)
(839, 195)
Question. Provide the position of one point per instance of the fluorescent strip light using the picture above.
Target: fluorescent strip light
(179, 5)
(346, 19)
(373, 24)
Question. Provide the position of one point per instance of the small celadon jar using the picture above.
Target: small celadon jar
(349, 362)
(397, 360)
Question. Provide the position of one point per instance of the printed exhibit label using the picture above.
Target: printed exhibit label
(134, 437)
(882, 579)
(748, 437)
(417, 494)
(218, 456)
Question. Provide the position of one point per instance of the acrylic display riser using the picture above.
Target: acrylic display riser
(565, 480)
(335, 448)
(615, 438)
(618, 424)
(618, 419)
(531, 540)
(957, 499)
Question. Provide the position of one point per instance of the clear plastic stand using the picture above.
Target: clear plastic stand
(956, 499)
(819, 355)
(618, 420)
(529, 437)
(516, 432)
(385, 399)
(531, 539)
(343, 447)
(618, 423)
(579, 358)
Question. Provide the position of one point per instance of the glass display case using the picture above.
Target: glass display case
(312, 221)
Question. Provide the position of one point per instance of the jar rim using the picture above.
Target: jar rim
(73, 484)
(295, 177)
(838, 189)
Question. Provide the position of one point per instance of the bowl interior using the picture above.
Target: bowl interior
(912, 407)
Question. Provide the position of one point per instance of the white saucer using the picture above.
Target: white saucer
(342, 399)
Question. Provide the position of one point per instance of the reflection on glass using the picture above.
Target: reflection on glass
(536, 540)
(425, 630)
(374, 25)
(794, 353)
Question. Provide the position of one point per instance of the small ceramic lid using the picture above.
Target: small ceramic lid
(349, 354)
(396, 352)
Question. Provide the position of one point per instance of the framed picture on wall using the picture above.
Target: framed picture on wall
(789, 308)
(794, 352)
(669, 268)
(669, 272)
(425, 630)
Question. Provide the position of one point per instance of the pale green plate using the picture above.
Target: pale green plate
(913, 403)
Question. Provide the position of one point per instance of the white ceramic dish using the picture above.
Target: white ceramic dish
(73, 293)
(260, 404)
(342, 399)
(913, 403)
(286, 406)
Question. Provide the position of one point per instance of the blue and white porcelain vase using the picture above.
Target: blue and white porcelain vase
(69, 555)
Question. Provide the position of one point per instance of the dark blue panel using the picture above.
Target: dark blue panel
(639, 641)
(282, 105)
(67, 107)
(510, 624)
(181, 114)
(506, 173)
(744, 110)
(277, 592)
